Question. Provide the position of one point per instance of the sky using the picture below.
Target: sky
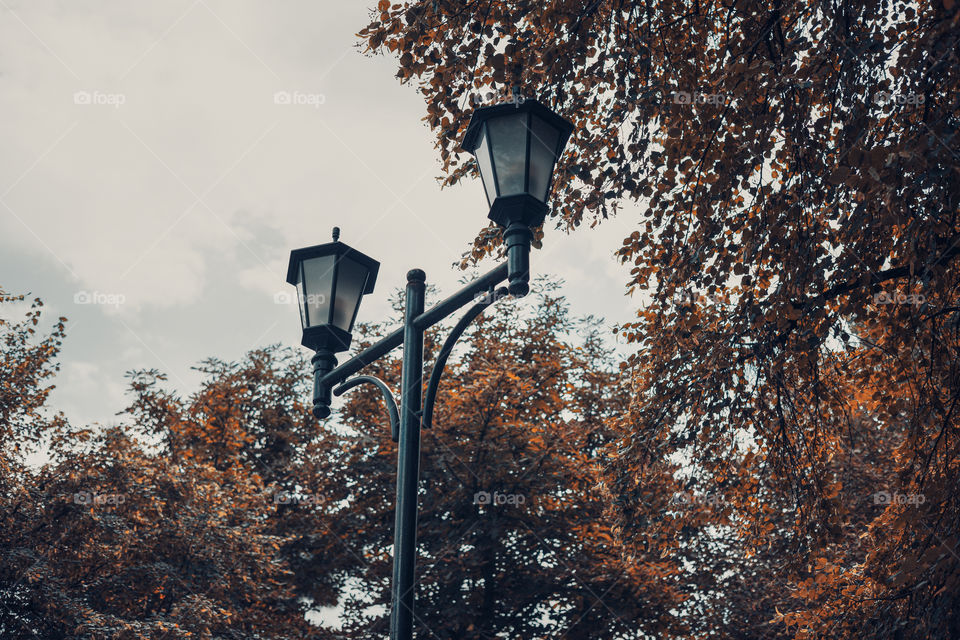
(160, 161)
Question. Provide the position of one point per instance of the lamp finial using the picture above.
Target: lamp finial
(336, 234)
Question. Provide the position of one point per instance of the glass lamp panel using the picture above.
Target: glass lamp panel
(508, 141)
(317, 286)
(543, 151)
(351, 277)
(300, 297)
(482, 153)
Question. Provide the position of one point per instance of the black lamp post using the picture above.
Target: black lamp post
(516, 147)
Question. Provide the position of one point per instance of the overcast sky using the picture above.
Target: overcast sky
(153, 183)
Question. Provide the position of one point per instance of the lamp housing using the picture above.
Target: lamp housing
(516, 146)
(331, 279)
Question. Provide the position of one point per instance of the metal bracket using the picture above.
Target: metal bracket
(387, 398)
(461, 326)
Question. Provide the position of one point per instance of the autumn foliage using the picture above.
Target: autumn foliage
(792, 169)
(232, 513)
(513, 542)
(168, 526)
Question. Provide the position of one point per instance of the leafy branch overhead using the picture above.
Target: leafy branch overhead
(792, 170)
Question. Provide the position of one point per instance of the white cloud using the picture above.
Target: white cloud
(187, 197)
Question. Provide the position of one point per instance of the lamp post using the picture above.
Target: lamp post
(516, 147)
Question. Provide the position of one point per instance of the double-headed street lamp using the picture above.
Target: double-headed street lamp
(516, 146)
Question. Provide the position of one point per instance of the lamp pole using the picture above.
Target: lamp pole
(416, 409)
(516, 146)
(408, 460)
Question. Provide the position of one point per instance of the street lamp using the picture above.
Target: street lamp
(331, 279)
(516, 146)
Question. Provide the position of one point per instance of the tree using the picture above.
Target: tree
(231, 513)
(513, 540)
(173, 526)
(27, 364)
(795, 169)
(119, 543)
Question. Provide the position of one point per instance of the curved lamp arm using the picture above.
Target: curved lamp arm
(461, 326)
(387, 398)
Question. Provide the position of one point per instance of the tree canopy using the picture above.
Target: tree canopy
(513, 539)
(792, 169)
(230, 513)
(167, 526)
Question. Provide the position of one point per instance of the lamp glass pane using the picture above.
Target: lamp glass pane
(482, 153)
(300, 298)
(543, 150)
(318, 282)
(351, 278)
(508, 140)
